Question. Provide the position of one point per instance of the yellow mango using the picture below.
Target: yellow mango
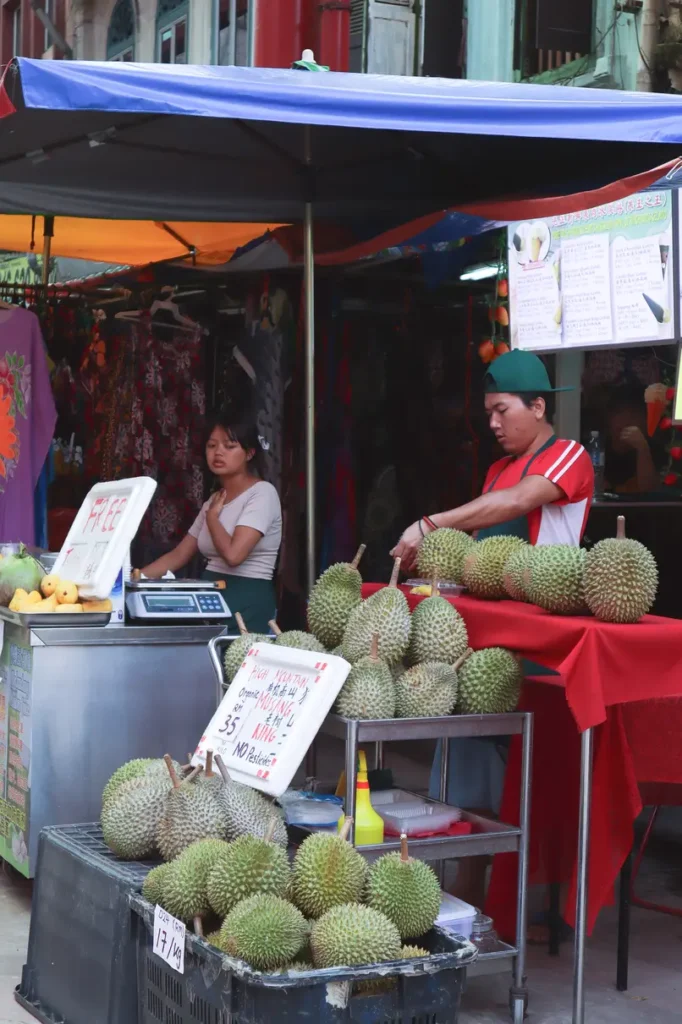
(69, 608)
(98, 606)
(66, 592)
(33, 598)
(48, 605)
(49, 585)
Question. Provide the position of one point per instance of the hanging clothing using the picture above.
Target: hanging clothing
(27, 421)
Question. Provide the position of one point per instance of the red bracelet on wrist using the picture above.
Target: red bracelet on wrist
(429, 522)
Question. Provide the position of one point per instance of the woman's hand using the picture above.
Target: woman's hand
(216, 505)
(407, 547)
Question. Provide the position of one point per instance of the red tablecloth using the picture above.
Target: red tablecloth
(601, 667)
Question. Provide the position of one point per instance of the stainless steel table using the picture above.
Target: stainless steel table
(77, 702)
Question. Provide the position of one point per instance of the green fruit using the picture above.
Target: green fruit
(300, 641)
(154, 884)
(514, 574)
(352, 935)
(426, 691)
(248, 812)
(335, 595)
(265, 931)
(489, 683)
(620, 580)
(442, 554)
(131, 816)
(369, 691)
(386, 613)
(438, 632)
(213, 939)
(186, 885)
(328, 871)
(406, 890)
(301, 966)
(129, 770)
(554, 579)
(191, 813)
(412, 952)
(237, 651)
(248, 866)
(18, 572)
(484, 567)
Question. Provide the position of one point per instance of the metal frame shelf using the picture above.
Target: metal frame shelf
(492, 837)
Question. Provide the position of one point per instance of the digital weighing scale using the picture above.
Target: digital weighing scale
(176, 600)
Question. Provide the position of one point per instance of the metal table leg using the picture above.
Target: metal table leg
(379, 754)
(443, 793)
(586, 752)
(351, 774)
(518, 995)
(623, 954)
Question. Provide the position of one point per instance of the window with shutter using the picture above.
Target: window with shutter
(564, 25)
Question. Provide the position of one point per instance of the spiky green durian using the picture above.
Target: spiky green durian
(489, 683)
(327, 871)
(213, 939)
(185, 890)
(554, 579)
(239, 648)
(620, 578)
(387, 613)
(297, 639)
(191, 813)
(426, 691)
(351, 934)
(248, 866)
(130, 770)
(412, 952)
(438, 631)
(406, 890)
(130, 817)
(154, 883)
(484, 567)
(250, 813)
(265, 931)
(442, 553)
(514, 574)
(336, 594)
(369, 690)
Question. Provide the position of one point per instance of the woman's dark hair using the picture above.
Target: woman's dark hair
(528, 397)
(245, 434)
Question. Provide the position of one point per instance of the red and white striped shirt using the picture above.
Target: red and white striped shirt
(564, 463)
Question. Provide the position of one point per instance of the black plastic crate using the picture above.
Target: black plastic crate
(81, 966)
(216, 989)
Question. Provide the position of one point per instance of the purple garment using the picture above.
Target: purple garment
(27, 421)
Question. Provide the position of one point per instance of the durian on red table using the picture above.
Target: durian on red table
(601, 669)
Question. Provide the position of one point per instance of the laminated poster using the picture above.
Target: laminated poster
(15, 750)
(594, 278)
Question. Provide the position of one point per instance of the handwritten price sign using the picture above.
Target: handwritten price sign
(169, 939)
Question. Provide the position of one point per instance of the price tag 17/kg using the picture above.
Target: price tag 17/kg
(169, 939)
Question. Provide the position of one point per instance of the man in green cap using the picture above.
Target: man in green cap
(541, 490)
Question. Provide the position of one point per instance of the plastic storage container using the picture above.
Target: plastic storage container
(456, 916)
(81, 965)
(215, 989)
(409, 814)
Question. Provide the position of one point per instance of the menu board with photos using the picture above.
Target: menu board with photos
(598, 277)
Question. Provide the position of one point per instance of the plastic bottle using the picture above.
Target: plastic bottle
(595, 449)
(369, 827)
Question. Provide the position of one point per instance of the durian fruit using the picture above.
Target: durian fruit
(328, 871)
(351, 934)
(369, 690)
(489, 683)
(406, 890)
(213, 939)
(412, 952)
(265, 931)
(131, 816)
(239, 648)
(428, 690)
(620, 578)
(185, 891)
(153, 885)
(386, 613)
(191, 813)
(438, 631)
(209, 779)
(336, 594)
(248, 812)
(130, 770)
(554, 579)
(301, 966)
(514, 574)
(442, 555)
(248, 866)
(484, 568)
(297, 639)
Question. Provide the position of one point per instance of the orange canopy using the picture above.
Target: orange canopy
(130, 242)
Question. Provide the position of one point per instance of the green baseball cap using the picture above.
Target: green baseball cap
(518, 371)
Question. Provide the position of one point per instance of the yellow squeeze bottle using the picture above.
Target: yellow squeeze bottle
(369, 827)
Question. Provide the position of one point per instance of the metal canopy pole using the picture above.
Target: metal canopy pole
(48, 233)
(309, 288)
(583, 876)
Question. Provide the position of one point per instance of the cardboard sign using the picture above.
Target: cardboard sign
(271, 713)
(169, 939)
(100, 537)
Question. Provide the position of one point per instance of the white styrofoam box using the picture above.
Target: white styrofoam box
(271, 713)
(98, 542)
(455, 915)
(394, 796)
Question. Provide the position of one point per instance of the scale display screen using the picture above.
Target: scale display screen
(161, 603)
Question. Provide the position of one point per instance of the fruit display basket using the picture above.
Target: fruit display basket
(216, 989)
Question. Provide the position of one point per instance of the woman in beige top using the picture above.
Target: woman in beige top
(239, 530)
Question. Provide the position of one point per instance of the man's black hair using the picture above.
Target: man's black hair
(528, 397)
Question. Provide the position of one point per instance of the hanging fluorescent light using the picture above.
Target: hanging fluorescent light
(479, 272)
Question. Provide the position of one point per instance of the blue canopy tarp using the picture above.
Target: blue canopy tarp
(182, 142)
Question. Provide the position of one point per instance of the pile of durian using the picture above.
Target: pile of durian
(616, 580)
(326, 909)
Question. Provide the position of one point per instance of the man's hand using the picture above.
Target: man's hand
(407, 547)
(634, 438)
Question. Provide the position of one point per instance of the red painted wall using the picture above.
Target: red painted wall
(284, 28)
